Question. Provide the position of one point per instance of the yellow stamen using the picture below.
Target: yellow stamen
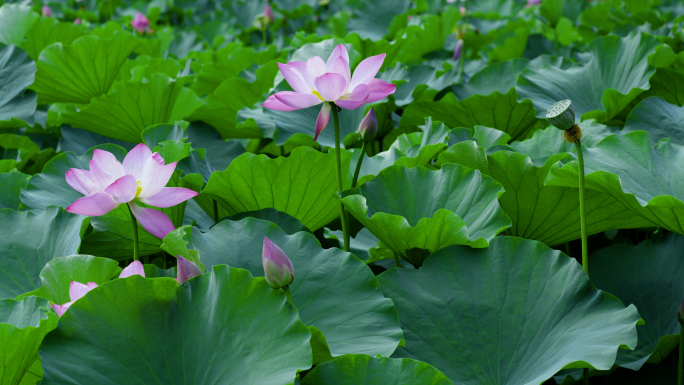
(317, 94)
(138, 189)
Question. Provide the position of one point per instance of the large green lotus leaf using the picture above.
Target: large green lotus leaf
(49, 30)
(221, 107)
(219, 152)
(495, 77)
(615, 73)
(659, 118)
(422, 78)
(374, 18)
(334, 291)
(549, 214)
(57, 275)
(30, 242)
(416, 212)
(483, 136)
(79, 141)
(302, 185)
(16, 20)
(651, 276)
(500, 111)
(286, 222)
(17, 151)
(354, 369)
(668, 84)
(11, 184)
(223, 327)
(83, 70)
(23, 325)
(514, 313)
(647, 181)
(131, 107)
(17, 72)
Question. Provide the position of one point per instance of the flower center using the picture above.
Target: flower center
(317, 94)
(138, 189)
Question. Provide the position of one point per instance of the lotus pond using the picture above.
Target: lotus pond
(342, 192)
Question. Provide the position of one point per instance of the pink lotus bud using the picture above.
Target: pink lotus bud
(268, 14)
(134, 268)
(185, 270)
(531, 3)
(458, 50)
(140, 23)
(680, 313)
(47, 12)
(77, 21)
(463, 10)
(409, 17)
(278, 268)
(368, 128)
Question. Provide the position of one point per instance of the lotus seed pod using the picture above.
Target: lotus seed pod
(562, 115)
(680, 313)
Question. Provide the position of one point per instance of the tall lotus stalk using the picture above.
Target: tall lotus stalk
(142, 176)
(331, 83)
(368, 129)
(562, 116)
(680, 366)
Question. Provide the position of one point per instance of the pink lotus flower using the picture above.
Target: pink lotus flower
(133, 268)
(458, 49)
(278, 268)
(186, 270)
(315, 82)
(268, 14)
(462, 10)
(140, 23)
(46, 11)
(76, 291)
(77, 21)
(142, 176)
(532, 3)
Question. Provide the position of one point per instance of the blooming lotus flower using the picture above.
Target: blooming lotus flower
(315, 82)
(76, 291)
(140, 23)
(458, 50)
(369, 126)
(186, 270)
(142, 176)
(77, 21)
(278, 268)
(133, 268)
(268, 14)
(46, 11)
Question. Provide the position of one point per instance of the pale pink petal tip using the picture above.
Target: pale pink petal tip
(134, 268)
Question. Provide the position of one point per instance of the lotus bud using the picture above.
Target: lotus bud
(463, 10)
(47, 12)
(140, 23)
(532, 3)
(134, 268)
(680, 313)
(562, 116)
(186, 270)
(77, 21)
(458, 49)
(278, 268)
(268, 14)
(368, 128)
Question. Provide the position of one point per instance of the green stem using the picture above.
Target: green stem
(263, 37)
(288, 294)
(343, 215)
(585, 376)
(216, 218)
(358, 164)
(135, 234)
(396, 261)
(567, 249)
(680, 374)
(583, 213)
(555, 39)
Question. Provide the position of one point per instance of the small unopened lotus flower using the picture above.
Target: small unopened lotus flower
(142, 176)
(268, 14)
(458, 50)
(316, 81)
(134, 268)
(76, 291)
(532, 3)
(368, 128)
(462, 10)
(46, 11)
(186, 270)
(140, 23)
(278, 268)
(77, 21)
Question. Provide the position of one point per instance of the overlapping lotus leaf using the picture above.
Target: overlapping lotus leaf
(598, 90)
(659, 118)
(302, 185)
(221, 327)
(23, 324)
(513, 313)
(646, 180)
(17, 71)
(549, 214)
(334, 291)
(416, 212)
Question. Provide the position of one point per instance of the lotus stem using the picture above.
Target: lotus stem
(680, 366)
(288, 294)
(343, 215)
(583, 213)
(396, 261)
(263, 37)
(216, 216)
(135, 234)
(585, 376)
(358, 165)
